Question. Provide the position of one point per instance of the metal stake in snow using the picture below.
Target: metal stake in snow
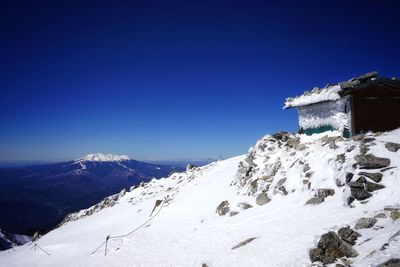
(158, 203)
(105, 250)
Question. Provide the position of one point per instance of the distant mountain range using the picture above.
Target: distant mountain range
(38, 197)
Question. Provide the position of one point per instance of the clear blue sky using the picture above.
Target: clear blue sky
(175, 79)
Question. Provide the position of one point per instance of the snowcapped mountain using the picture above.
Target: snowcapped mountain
(293, 200)
(39, 197)
(103, 157)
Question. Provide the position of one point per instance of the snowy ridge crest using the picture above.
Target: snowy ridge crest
(103, 157)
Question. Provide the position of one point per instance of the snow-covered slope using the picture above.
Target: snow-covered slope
(245, 211)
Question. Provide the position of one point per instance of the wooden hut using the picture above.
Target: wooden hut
(365, 103)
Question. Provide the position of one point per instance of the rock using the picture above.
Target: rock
(380, 215)
(364, 223)
(358, 137)
(250, 161)
(392, 147)
(204, 265)
(306, 167)
(281, 182)
(357, 184)
(371, 187)
(253, 186)
(350, 200)
(262, 199)
(223, 208)
(339, 183)
(368, 139)
(361, 180)
(349, 176)
(363, 149)
(351, 148)
(369, 161)
(308, 174)
(244, 205)
(233, 213)
(390, 263)
(325, 192)
(394, 214)
(341, 158)
(316, 254)
(315, 201)
(348, 235)
(282, 136)
(243, 243)
(375, 176)
(331, 247)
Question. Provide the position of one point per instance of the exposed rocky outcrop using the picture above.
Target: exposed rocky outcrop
(331, 247)
(105, 203)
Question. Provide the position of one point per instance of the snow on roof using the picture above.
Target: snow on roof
(331, 92)
(102, 157)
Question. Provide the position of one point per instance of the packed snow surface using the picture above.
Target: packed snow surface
(102, 157)
(186, 230)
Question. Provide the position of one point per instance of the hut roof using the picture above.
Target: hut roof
(336, 91)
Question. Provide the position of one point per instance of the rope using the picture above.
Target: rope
(37, 246)
(131, 232)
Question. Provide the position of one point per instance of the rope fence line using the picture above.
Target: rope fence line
(131, 232)
(35, 246)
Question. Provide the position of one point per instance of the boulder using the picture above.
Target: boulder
(341, 158)
(371, 187)
(331, 247)
(306, 167)
(262, 199)
(223, 208)
(395, 215)
(348, 235)
(391, 263)
(358, 184)
(393, 147)
(368, 139)
(315, 201)
(360, 193)
(364, 223)
(280, 182)
(369, 161)
(375, 176)
(325, 192)
(244, 205)
(349, 176)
